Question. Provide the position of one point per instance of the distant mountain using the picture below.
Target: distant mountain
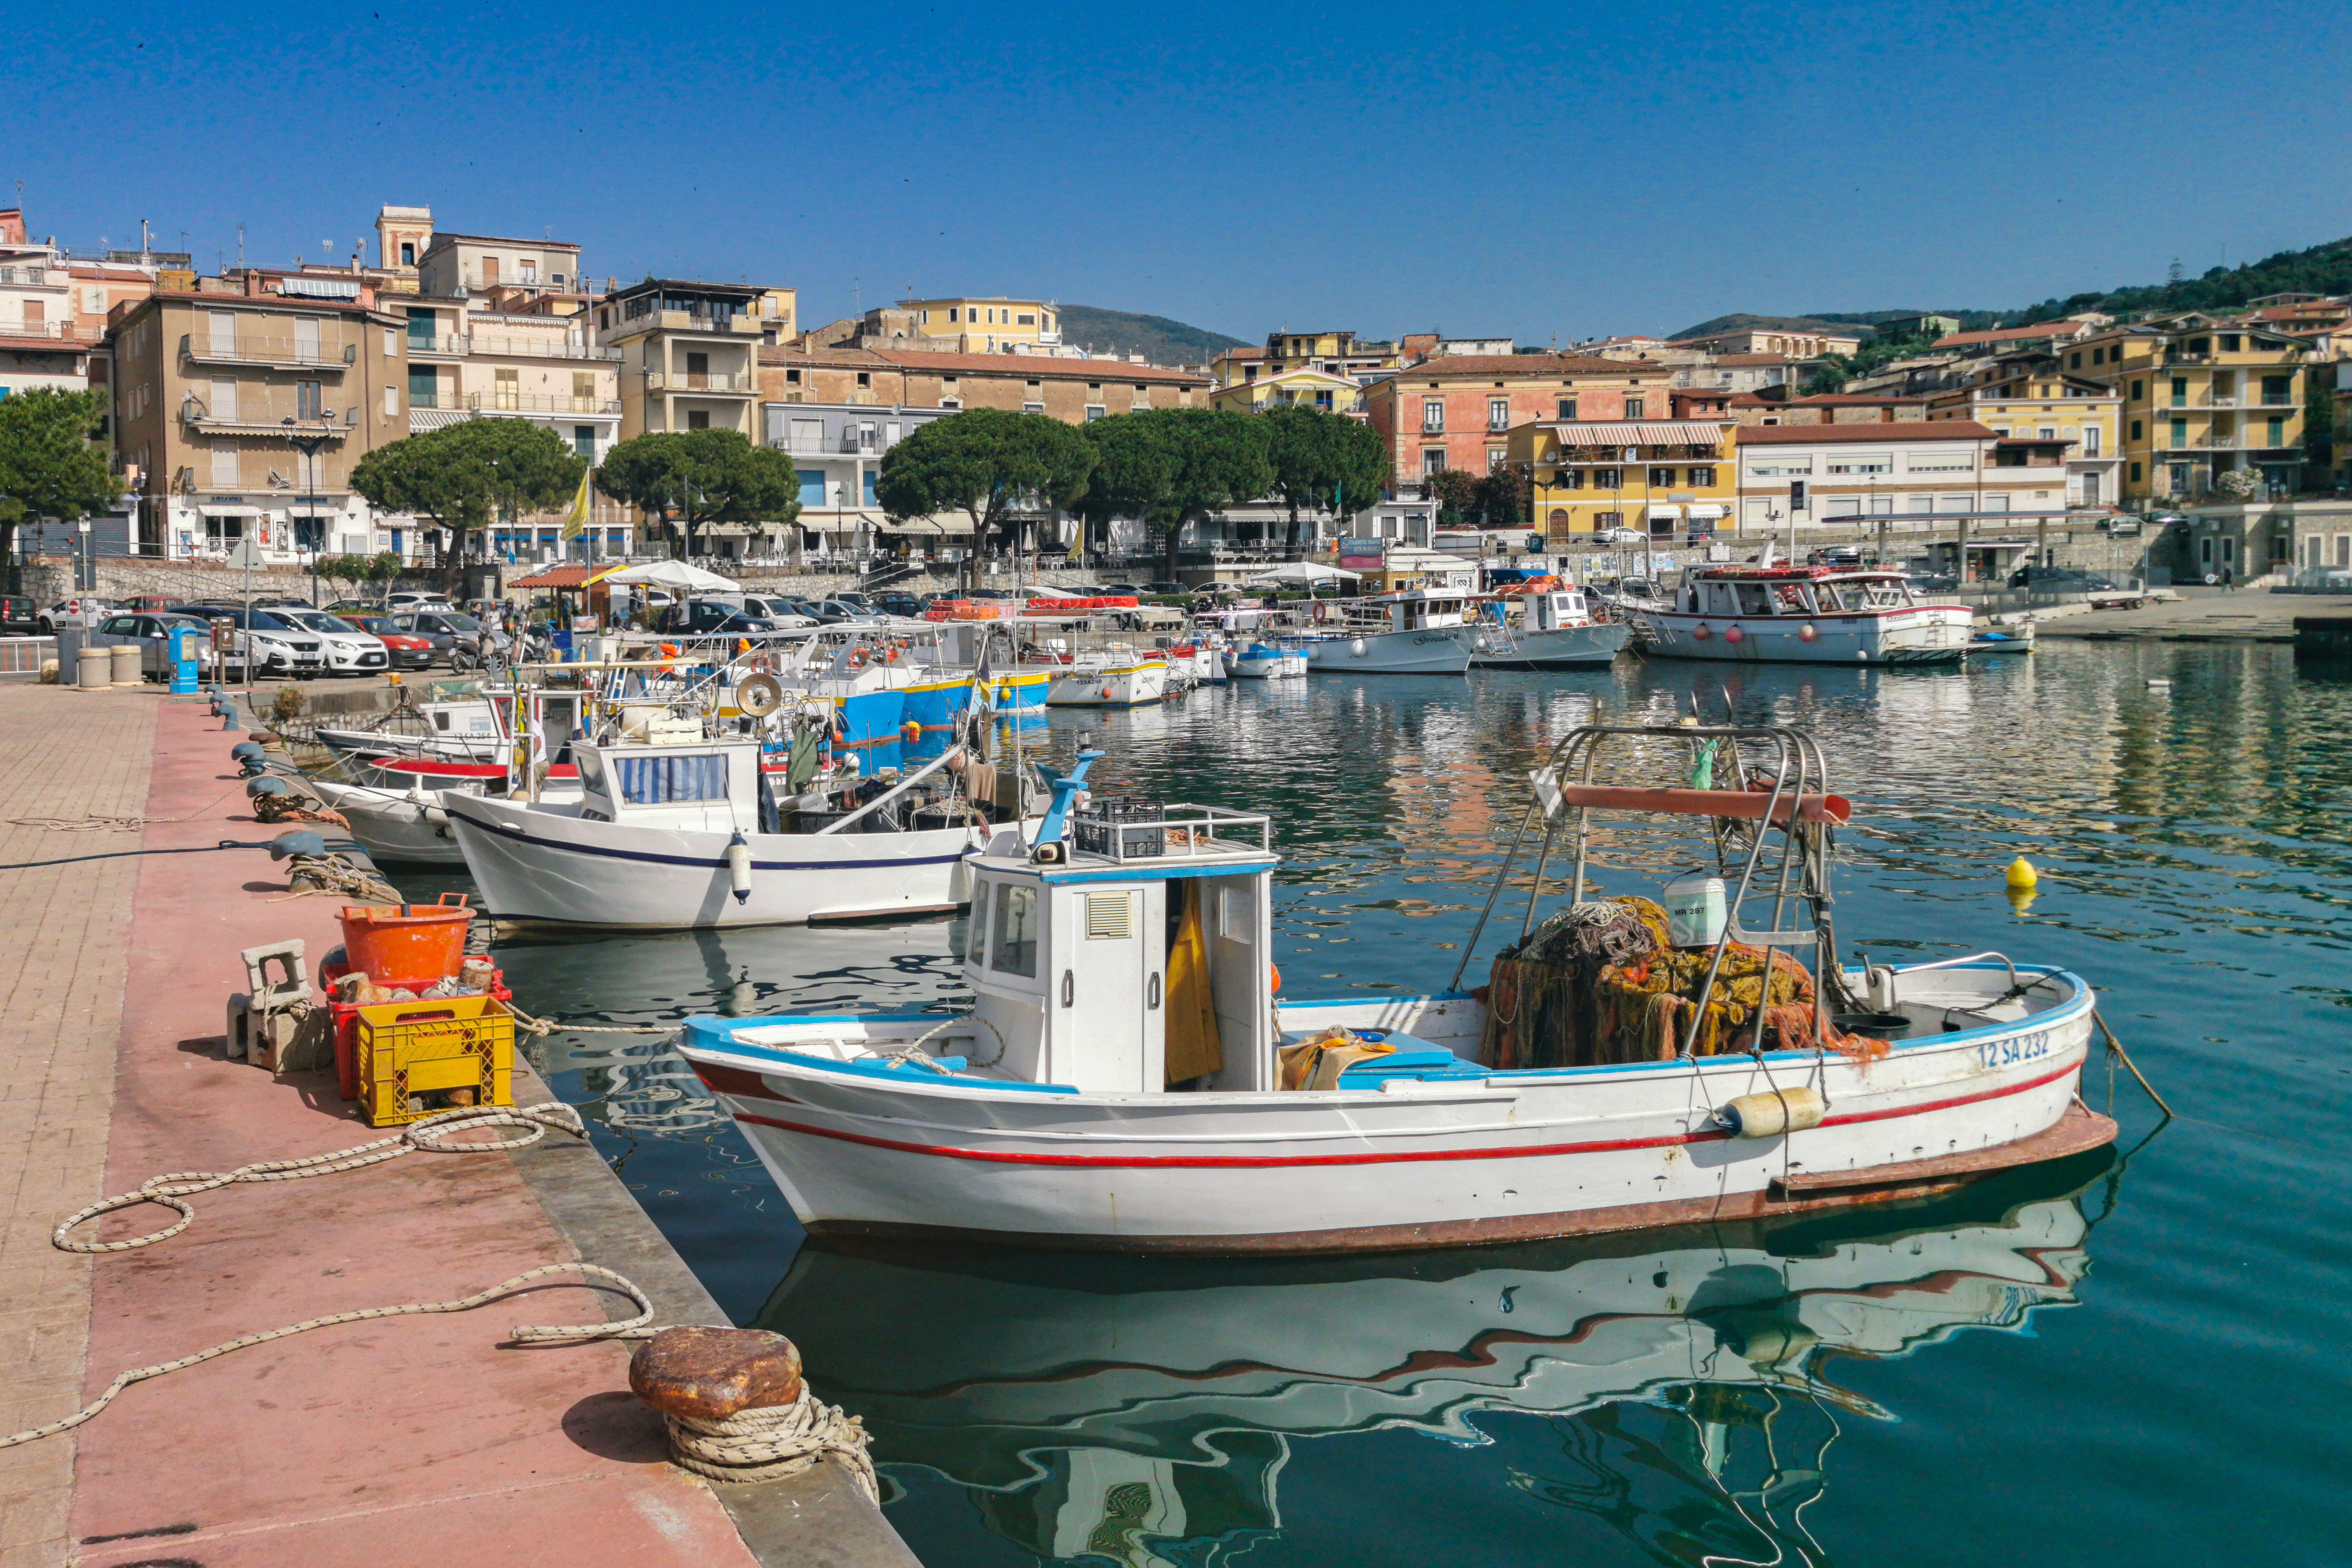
(2317, 269)
(1156, 338)
(1741, 321)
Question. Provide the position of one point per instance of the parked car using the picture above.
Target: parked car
(776, 609)
(2060, 580)
(417, 601)
(455, 637)
(350, 650)
(710, 618)
(836, 613)
(18, 616)
(153, 633)
(264, 643)
(906, 605)
(1933, 582)
(402, 651)
(74, 612)
(1163, 588)
(859, 600)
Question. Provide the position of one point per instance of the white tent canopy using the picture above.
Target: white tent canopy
(675, 575)
(1305, 571)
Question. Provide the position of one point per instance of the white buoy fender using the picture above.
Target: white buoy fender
(1773, 1112)
(739, 868)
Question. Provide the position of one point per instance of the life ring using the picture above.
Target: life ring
(890, 654)
(1275, 969)
(857, 659)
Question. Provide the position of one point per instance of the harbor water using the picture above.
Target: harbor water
(2131, 1358)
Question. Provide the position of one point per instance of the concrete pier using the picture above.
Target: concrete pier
(413, 1439)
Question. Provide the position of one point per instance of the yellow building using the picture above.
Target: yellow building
(2200, 399)
(2032, 399)
(981, 326)
(1315, 388)
(1340, 354)
(1662, 476)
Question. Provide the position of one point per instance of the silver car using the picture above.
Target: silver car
(153, 633)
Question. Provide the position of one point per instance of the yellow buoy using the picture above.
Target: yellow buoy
(2021, 875)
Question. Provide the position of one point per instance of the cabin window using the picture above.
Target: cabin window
(668, 781)
(975, 941)
(1850, 595)
(1754, 600)
(1015, 942)
(1788, 599)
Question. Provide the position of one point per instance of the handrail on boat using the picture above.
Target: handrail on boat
(1749, 805)
(1971, 958)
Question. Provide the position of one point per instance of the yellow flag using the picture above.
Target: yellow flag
(576, 520)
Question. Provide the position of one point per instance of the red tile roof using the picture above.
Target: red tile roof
(557, 577)
(1492, 365)
(2011, 334)
(1907, 430)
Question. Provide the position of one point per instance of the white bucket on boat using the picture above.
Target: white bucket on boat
(1695, 910)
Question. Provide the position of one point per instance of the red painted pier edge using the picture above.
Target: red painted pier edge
(418, 1439)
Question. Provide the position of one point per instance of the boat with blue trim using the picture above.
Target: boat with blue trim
(1128, 1078)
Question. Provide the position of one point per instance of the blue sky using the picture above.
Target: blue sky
(1559, 171)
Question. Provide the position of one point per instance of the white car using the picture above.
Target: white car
(348, 649)
(395, 603)
(75, 612)
(272, 644)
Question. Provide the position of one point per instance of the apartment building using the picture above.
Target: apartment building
(1661, 476)
(1840, 473)
(1828, 408)
(2201, 399)
(1331, 353)
(1795, 341)
(689, 352)
(1072, 390)
(837, 450)
(1458, 411)
(986, 324)
(1735, 373)
(41, 343)
(2044, 336)
(239, 415)
(2029, 399)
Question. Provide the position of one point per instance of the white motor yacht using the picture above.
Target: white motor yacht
(1416, 631)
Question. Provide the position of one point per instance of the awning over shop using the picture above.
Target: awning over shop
(1710, 511)
(228, 509)
(928, 525)
(1664, 433)
(1673, 513)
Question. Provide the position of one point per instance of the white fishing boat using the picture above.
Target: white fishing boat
(2015, 636)
(408, 823)
(1417, 631)
(1115, 678)
(1546, 625)
(1759, 613)
(687, 832)
(1125, 1080)
(465, 730)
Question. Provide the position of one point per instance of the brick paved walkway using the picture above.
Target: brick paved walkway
(65, 753)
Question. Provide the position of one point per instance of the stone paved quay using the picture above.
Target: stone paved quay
(2203, 615)
(405, 1440)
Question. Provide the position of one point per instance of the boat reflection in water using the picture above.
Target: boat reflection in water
(1142, 1410)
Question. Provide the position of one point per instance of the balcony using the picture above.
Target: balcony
(693, 322)
(528, 403)
(57, 330)
(540, 348)
(526, 283)
(199, 419)
(269, 354)
(717, 381)
(450, 347)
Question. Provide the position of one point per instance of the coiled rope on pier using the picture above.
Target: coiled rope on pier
(749, 1446)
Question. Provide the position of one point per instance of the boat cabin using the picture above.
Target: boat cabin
(1421, 609)
(1808, 592)
(1555, 610)
(1138, 962)
(698, 785)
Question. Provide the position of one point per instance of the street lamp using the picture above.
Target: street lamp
(309, 447)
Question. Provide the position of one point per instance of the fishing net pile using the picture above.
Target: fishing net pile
(1600, 983)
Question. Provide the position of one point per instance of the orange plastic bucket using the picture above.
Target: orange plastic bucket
(405, 944)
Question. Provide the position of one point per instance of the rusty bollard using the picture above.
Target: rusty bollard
(709, 1374)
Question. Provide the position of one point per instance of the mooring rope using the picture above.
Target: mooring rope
(174, 1188)
(749, 1446)
(540, 1027)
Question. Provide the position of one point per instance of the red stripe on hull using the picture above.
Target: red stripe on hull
(1255, 1162)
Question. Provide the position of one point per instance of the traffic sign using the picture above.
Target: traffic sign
(246, 555)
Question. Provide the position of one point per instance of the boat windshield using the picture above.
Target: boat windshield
(1888, 595)
(1788, 599)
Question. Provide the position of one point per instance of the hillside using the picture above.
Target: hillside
(2319, 269)
(1157, 338)
(1742, 321)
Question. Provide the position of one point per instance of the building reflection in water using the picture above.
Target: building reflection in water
(1142, 1412)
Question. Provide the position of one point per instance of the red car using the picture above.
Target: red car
(406, 650)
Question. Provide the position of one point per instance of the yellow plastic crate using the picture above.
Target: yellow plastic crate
(434, 1054)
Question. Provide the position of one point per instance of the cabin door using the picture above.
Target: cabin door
(1109, 998)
